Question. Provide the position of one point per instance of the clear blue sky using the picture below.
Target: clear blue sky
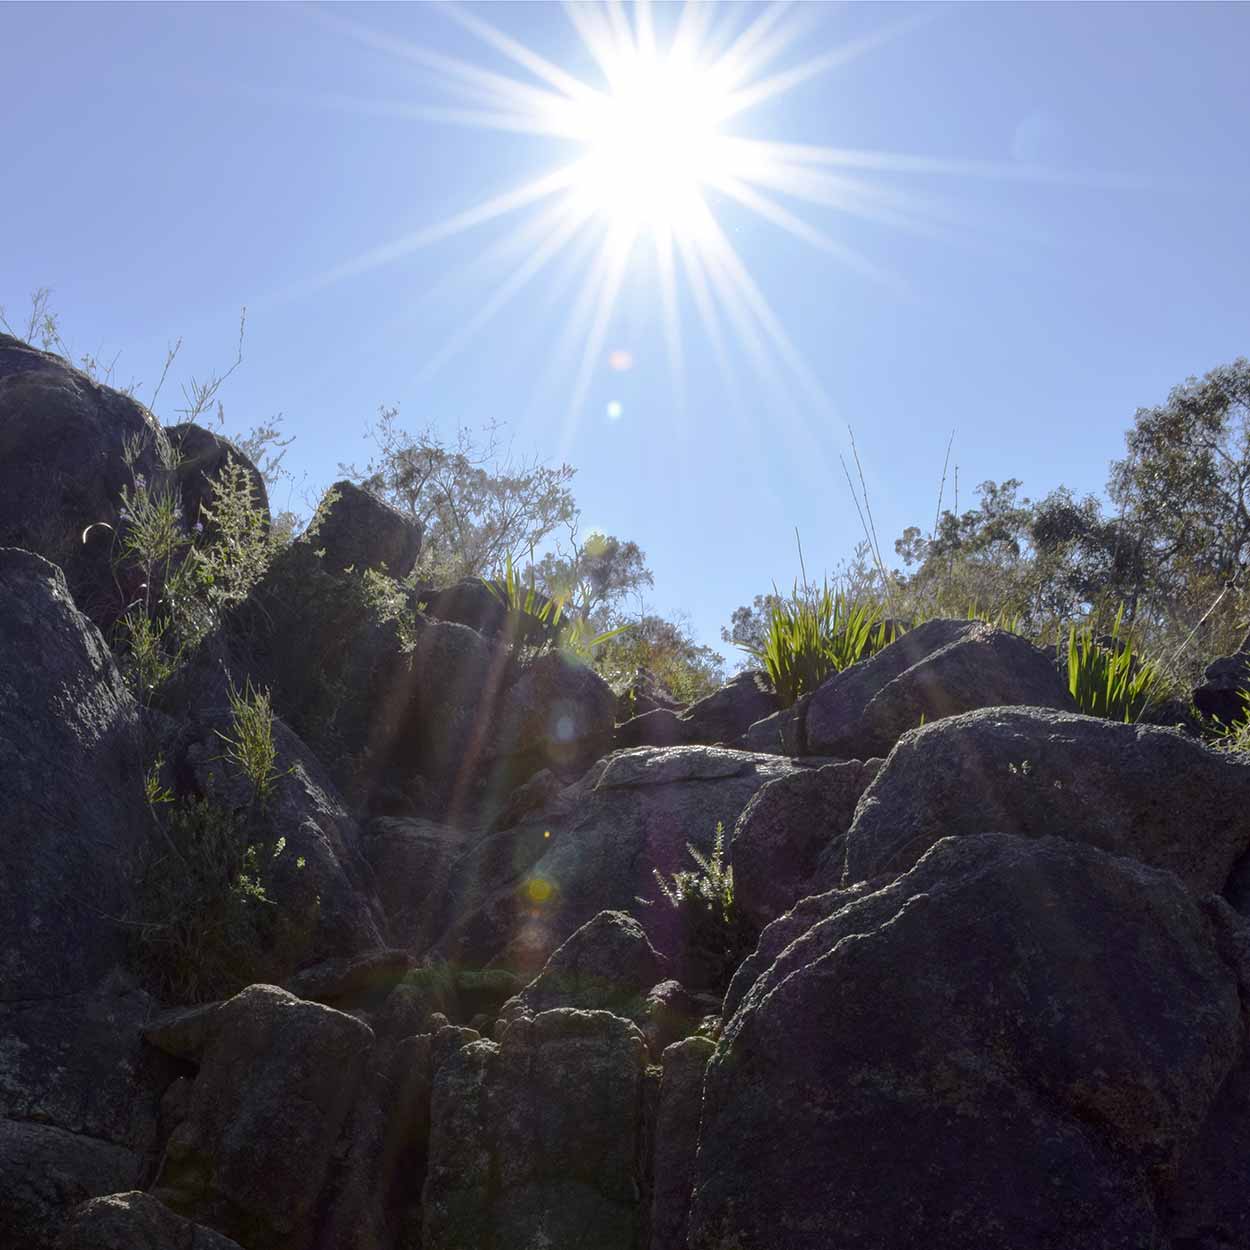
(1070, 243)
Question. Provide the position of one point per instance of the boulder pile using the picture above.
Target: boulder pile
(460, 965)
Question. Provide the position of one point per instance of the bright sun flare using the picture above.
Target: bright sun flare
(653, 145)
(648, 156)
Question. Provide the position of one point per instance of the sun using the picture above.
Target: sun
(645, 158)
(652, 145)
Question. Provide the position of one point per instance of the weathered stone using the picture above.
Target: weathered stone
(938, 669)
(45, 1172)
(376, 1199)
(607, 965)
(410, 859)
(557, 715)
(513, 897)
(71, 788)
(80, 1098)
(136, 1221)
(785, 830)
(677, 1139)
(359, 531)
(672, 1013)
(277, 1080)
(534, 1140)
(1133, 790)
(63, 446)
(1036, 1090)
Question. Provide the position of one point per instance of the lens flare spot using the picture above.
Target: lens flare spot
(621, 360)
(538, 890)
(565, 729)
(615, 411)
(546, 833)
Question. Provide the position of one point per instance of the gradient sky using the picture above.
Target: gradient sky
(1069, 243)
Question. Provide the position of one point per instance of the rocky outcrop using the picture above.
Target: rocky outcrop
(1223, 685)
(534, 1139)
(64, 443)
(71, 788)
(938, 669)
(787, 828)
(357, 530)
(276, 1082)
(513, 897)
(1136, 790)
(1037, 1090)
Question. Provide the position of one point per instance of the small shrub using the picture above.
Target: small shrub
(1116, 682)
(203, 921)
(812, 636)
(715, 938)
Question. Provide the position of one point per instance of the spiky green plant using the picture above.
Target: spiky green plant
(521, 597)
(1115, 682)
(249, 743)
(813, 635)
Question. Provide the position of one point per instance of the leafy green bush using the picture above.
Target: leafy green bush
(1116, 681)
(812, 635)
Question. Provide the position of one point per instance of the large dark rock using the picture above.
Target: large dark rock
(473, 603)
(357, 530)
(513, 897)
(410, 860)
(938, 669)
(71, 788)
(200, 456)
(1014, 1044)
(558, 714)
(136, 1221)
(274, 1089)
(607, 965)
(1136, 790)
(63, 443)
(534, 1140)
(787, 828)
(1224, 683)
